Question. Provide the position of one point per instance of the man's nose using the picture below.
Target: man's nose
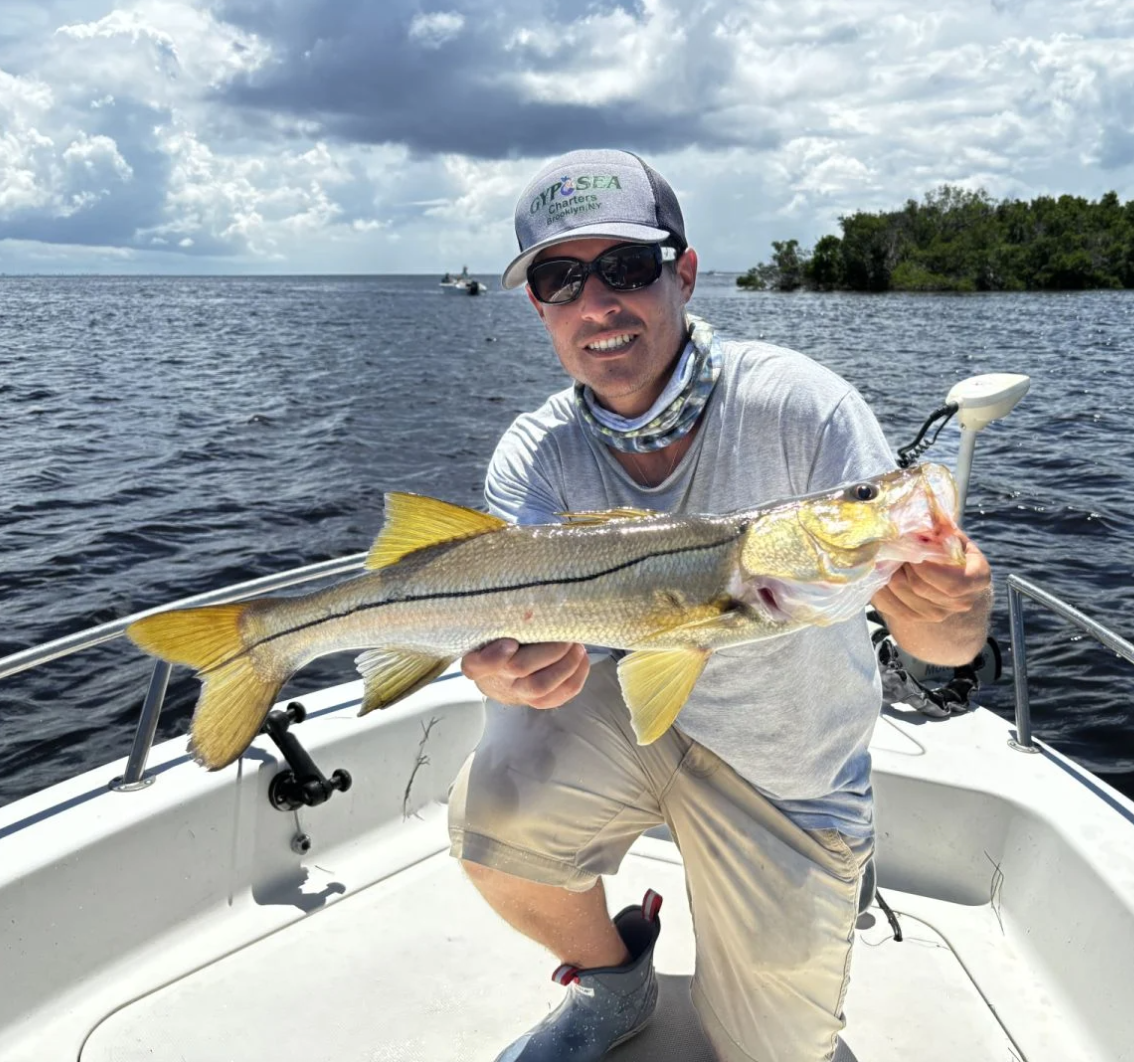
(596, 300)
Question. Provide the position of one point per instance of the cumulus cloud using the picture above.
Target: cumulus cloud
(433, 30)
(396, 135)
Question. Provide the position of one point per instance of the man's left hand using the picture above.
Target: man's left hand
(931, 592)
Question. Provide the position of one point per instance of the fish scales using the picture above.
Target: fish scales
(612, 585)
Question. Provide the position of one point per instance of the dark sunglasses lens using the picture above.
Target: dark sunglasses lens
(630, 268)
(556, 281)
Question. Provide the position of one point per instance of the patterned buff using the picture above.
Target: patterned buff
(676, 410)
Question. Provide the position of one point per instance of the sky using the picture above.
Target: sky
(395, 136)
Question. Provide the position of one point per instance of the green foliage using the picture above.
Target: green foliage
(961, 240)
(825, 269)
(870, 251)
(756, 279)
(784, 273)
(909, 276)
(789, 264)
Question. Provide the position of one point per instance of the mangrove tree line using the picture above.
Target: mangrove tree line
(959, 240)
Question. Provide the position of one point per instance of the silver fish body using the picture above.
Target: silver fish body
(670, 588)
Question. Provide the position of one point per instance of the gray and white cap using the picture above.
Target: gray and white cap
(599, 193)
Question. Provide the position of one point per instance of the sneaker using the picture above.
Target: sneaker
(605, 1006)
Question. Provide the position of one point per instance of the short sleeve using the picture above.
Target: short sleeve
(515, 488)
(851, 446)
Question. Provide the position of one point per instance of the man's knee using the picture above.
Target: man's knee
(492, 882)
(485, 878)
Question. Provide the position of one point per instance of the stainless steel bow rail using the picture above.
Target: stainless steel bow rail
(133, 778)
(1018, 589)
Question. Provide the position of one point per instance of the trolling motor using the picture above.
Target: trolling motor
(932, 689)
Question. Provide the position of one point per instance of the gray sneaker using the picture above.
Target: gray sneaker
(605, 1005)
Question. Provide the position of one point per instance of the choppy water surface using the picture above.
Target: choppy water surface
(162, 437)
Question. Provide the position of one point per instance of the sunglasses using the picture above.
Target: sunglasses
(627, 267)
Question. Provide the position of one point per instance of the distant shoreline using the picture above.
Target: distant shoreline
(960, 242)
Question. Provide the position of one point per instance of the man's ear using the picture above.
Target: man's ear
(686, 268)
(534, 301)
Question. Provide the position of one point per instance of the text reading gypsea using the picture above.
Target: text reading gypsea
(569, 188)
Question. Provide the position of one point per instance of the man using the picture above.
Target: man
(765, 779)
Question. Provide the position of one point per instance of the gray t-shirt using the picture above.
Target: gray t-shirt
(793, 715)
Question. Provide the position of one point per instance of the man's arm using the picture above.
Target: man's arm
(939, 612)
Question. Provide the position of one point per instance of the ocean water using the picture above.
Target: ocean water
(165, 436)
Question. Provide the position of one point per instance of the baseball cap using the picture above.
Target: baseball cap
(593, 193)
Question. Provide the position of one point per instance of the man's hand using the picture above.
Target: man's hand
(542, 675)
(933, 592)
(939, 612)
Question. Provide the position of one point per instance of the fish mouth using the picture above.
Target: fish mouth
(925, 520)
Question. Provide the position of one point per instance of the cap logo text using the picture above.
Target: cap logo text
(566, 187)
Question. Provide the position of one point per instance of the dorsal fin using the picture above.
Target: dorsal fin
(602, 516)
(415, 521)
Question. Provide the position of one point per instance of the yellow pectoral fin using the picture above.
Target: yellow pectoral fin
(603, 516)
(415, 521)
(656, 683)
(388, 675)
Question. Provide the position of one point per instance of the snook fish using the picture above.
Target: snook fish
(443, 580)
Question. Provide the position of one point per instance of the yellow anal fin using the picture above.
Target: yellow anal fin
(232, 707)
(603, 516)
(388, 675)
(656, 683)
(415, 521)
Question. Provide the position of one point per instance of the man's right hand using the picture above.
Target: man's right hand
(542, 675)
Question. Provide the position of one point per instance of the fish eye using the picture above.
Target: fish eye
(862, 492)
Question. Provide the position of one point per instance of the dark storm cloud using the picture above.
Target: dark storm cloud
(361, 71)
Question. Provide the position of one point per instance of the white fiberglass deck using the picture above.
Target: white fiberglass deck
(411, 970)
(178, 923)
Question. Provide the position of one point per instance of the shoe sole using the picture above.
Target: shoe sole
(630, 1035)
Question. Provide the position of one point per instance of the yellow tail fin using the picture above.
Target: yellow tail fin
(198, 637)
(234, 699)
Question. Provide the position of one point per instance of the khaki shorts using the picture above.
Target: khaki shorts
(558, 796)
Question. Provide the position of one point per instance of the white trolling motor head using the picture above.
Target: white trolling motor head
(982, 399)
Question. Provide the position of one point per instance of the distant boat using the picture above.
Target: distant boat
(463, 284)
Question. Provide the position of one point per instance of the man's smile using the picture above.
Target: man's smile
(616, 342)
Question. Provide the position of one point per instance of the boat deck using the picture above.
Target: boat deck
(414, 968)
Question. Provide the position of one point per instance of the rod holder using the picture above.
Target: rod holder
(304, 785)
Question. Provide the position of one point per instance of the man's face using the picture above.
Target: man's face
(590, 334)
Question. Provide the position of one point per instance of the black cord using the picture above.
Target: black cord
(890, 916)
(908, 455)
